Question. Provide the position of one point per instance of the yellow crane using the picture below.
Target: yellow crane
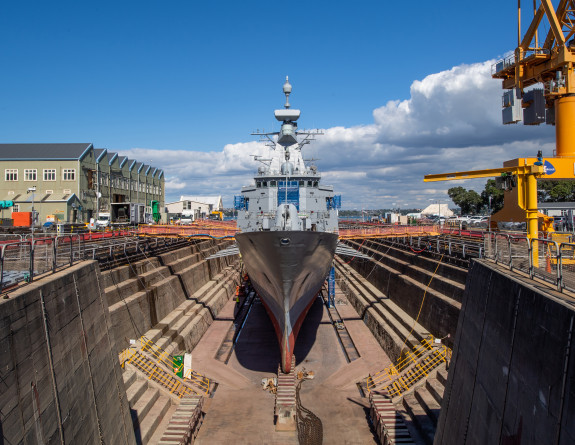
(550, 64)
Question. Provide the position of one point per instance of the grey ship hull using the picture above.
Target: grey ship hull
(287, 269)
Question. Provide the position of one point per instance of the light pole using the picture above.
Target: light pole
(438, 202)
(32, 190)
(489, 228)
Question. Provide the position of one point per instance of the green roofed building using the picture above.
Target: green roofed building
(76, 182)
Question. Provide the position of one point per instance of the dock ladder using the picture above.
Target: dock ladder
(411, 368)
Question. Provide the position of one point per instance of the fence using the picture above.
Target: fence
(459, 247)
(23, 260)
(549, 259)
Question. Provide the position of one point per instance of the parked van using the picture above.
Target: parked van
(103, 220)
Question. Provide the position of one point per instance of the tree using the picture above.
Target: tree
(468, 200)
(496, 194)
(556, 190)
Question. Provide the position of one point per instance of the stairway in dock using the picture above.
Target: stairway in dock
(175, 297)
(151, 407)
(404, 296)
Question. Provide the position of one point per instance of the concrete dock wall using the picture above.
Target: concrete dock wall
(143, 293)
(419, 285)
(512, 377)
(60, 378)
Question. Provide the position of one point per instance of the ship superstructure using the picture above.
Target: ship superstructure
(288, 223)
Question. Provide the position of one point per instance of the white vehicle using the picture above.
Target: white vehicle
(479, 220)
(103, 220)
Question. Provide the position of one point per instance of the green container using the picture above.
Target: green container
(179, 365)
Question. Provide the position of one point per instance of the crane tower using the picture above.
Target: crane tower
(549, 63)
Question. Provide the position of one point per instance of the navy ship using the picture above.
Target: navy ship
(287, 229)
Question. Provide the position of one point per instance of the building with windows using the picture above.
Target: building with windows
(194, 207)
(74, 182)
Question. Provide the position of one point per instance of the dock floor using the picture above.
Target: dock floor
(242, 413)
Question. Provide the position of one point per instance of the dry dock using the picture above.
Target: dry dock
(69, 372)
(241, 412)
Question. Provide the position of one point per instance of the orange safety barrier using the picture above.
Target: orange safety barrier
(185, 231)
(388, 231)
(221, 229)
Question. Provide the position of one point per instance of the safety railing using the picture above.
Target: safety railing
(414, 365)
(503, 64)
(155, 372)
(551, 259)
(162, 356)
(541, 258)
(418, 371)
(464, 248)
(392, 371)
(21, 261)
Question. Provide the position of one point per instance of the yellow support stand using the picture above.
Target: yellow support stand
(564, 126)
(532, 217)
(520, 203)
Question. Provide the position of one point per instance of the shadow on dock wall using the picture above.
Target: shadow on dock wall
(511, 379)
(60, 377)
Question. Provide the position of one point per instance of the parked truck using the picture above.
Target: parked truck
(122, 214)
(103, 220)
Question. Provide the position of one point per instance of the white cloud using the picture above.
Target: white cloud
(451, 122)
(174, 184)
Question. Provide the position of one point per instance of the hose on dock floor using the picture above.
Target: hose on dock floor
(309, 426)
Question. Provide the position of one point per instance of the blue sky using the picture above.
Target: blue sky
(183, 84)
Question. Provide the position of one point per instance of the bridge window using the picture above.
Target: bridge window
(288, 193)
